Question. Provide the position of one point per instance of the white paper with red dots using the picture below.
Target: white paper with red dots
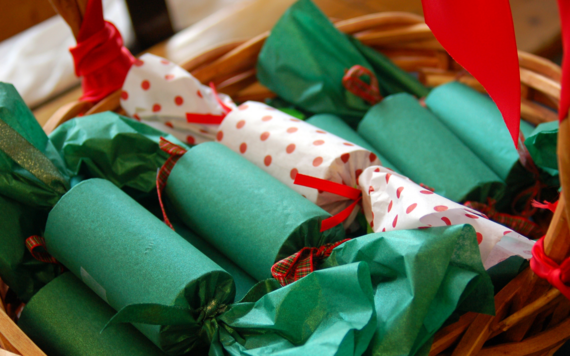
(393, 202)
(284, 146)
(160, 93)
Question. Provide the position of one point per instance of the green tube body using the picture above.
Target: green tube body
(65, 318)
(127, 256)
(249, 216)
(423, 149)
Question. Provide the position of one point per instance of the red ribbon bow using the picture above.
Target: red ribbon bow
(100, 57)
(334, 188)
(352, 82)
(175, 153)
(300, 264)
(544, 267)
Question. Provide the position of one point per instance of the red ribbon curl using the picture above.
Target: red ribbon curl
(544, 267)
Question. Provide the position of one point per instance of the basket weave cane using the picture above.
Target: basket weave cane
(532, 318)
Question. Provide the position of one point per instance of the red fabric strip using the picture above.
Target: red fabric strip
(546, 268)
(564, 9)
(327, 186)
(339, 218)
(207, 119)
(226, 108)
(480, 36)
(100, 57)
(353, 83)
(175, 153)
(37, 247)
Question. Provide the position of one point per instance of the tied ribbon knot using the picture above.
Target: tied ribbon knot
(519, 224)
(99, 56)
(546, 268)
(353, 83)
(175, 153)
(302, 263)
(210, 119)
(334, 188)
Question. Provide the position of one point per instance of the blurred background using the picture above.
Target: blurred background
(35, 40)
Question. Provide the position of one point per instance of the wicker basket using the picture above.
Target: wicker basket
(532, 317)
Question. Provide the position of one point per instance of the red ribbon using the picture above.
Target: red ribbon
(352, 82)
(175, 153)
(564, 9)
(546, 268)
(37, 247)
(480, 36)
(334, 188)
(300, 264)
(100, 57)
(209, 119)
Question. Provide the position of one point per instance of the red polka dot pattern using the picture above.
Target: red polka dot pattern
(240, 124)
(138, 63)
(293, 173)
(345, 157)
(219, 135)
(318, 142)
(199, 93)
(290, 148)
(145, 85)
(266, 118)
(169, 76)
(190, 139)
(124, 95)
(264, 136)
(292, 130)
(411, 208)
(178, 100)
(317, 161)
(156, 108)
(267, 160)
(372, 157)
(440, 208)
(243, 147)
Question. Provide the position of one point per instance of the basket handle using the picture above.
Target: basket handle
(72, 12)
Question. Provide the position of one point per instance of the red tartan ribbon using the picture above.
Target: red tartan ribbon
(352, 82)
(519, 224)
(300, 264)
(334, 188)
(37, 247)
(175, 153)
(209, 119)
(546, 268)
(100, 57)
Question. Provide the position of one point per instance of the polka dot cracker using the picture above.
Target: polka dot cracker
(160, 92)
(280, 144)
(393, 202)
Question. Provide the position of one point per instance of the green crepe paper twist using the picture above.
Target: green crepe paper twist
(107, 145)
(420, 279)
(541, 145)
(31, 171)
(246, 214)
(423, 149)
(305, 58)
(65, 318)
(128, 257)
(24, 274)
(476, 121)
(336, 126)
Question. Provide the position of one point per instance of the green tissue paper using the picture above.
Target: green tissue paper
(426, 151)
(305, 58)
(247, 215)
(65, 318)
(541, 145)
(107, 145)
(336, 126)
(18, 269)
(129, 257)
(420, 279)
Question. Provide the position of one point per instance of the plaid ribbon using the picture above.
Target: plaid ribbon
(352, 82)
(520, 224)
(37, 247)
(175, 153)
(546, 268)
(209, 119)
(334, 188)
(300, 264)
